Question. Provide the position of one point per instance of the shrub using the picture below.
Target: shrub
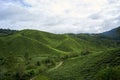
(85, 52)
(109, 74)
(38, 63)
(42, 68)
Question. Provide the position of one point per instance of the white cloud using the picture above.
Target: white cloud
(60, 16)
(69, 8)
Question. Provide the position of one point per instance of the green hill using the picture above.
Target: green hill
(18, 45)
(44, 37)
(89, 67)
(69, 45)
(39, 55)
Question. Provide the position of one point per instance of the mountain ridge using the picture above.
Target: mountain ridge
(114, 33)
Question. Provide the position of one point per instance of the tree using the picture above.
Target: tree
(109, 74)
(85, 52)
(27, 58)
(20, 72)
(38, 63)
(10, 65)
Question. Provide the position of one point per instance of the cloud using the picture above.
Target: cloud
(60, 16)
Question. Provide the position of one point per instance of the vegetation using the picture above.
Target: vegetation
(4, 32)
(37, 55)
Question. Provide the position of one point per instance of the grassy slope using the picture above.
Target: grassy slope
(19, 44)
(70, 45)
(40, 44)
(86, 67)
(44, 37)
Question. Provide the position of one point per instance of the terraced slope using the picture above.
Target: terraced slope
(94, 66)
(38, 55)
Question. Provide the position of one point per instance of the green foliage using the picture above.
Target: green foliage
(109, 74)
(30, 54)
(86, 67)
(42, 69)
(41, 77)
(20, 72)
(38, 63)
(85, 52)
(4, 32)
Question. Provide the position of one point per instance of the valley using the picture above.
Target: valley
(37, 55)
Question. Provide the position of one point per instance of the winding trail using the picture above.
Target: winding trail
(57, 66)
(32, 78)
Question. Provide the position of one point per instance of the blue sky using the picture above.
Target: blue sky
(60, 16)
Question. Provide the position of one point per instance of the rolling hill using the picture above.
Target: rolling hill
(89, 67)
(38, 55)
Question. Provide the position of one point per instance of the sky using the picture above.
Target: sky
(60, 16)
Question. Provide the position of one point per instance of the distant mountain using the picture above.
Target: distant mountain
(114, 33)
(4, 32)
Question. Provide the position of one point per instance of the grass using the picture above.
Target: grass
(83, 56)
(86, 67)
(40, 77)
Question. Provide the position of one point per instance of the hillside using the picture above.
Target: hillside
(89, 67)
(114, 33)
(39, 55)
(20, 45)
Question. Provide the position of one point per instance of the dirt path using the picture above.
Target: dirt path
(57, 66)
(32, 78)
